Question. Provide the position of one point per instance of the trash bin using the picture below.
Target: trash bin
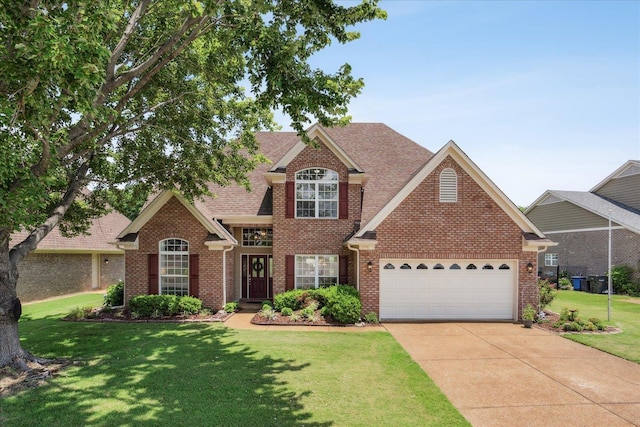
(584, 285)
(576, 281)
(598, 284)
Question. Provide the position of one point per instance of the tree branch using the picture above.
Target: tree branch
(20, 250)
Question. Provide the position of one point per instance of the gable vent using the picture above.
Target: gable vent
(631, 170)
(448, 186)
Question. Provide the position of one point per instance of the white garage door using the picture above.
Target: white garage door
(447, 289)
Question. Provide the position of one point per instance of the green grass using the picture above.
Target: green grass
(624, 315)
(156, 374)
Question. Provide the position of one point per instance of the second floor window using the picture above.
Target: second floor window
(316, 193)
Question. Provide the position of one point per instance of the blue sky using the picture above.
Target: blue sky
(540, 94)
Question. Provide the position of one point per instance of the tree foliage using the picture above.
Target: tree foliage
(148, 95)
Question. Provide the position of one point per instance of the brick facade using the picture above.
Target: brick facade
(311, 236)
(422, 227)
(173, 220)
(587, 252)
(46, 275)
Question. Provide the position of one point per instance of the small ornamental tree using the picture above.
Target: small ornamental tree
(142, 94)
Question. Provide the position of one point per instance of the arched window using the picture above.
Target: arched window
(487, 267)
(454, 267)
(422, 266)
(174, 267)
(472, 267)
(405, 266)
(316, 193)
(504, 267)
(438, 267)
(389, 266)
(448, 186)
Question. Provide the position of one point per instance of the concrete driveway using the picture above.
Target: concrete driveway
(500, 374)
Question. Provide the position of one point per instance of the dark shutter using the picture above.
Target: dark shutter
(152, 274)
(289, 272)
(343, 270)
(194, 274)
(290, 199)
(343, 208)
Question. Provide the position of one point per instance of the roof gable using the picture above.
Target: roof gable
(595, 205)
(631, 167)
(200, 213)
(317, 132)
(452, 149)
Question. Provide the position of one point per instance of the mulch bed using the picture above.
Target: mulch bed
(551, 318)
(123, 315)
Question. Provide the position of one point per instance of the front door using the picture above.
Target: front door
(258, 276)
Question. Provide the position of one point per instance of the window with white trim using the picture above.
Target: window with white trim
(316, 271)
(448, 186)
(551, 260)
(316, 193)
(174, 267)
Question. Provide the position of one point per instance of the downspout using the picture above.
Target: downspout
(224, 275)
(357, 251)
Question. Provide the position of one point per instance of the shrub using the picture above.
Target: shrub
(286, 311)
(545, 292)
(114, 297)
(268, 313)
(294, 317)
(371, 318)
(79, 313)
(572, 327)
(267, 302)
(163, 305)
(231, 307)
(308, 312)
(622, 280)
(598, 323)
(564, 283)
(344, 306)
(292, 299)
(189, 305)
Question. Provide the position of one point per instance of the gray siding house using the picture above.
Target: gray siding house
(579, 222)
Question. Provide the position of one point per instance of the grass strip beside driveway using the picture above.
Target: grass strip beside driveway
(625, 314)
(207, 374)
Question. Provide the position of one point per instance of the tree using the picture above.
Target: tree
(145, 95)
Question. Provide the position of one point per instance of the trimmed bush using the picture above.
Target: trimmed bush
(286, 311)
(114, 297)
(231, 307)
(291, 299)
(163, 305)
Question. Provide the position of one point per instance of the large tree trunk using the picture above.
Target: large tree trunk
(11, 352)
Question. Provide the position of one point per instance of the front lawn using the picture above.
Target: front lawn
(207, 374)
(625, 314)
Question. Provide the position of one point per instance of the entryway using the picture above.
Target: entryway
(257, 277)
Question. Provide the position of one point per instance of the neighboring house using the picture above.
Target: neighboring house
(60, 265)
(579, 222)
(421, 235)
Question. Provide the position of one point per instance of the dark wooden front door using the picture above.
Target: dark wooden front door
(258, 276)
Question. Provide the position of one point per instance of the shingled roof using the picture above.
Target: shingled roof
(388, 158)
(102, 231)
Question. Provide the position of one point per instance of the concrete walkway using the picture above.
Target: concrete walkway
(501, 374)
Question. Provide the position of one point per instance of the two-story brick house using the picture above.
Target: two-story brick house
(421, 235)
